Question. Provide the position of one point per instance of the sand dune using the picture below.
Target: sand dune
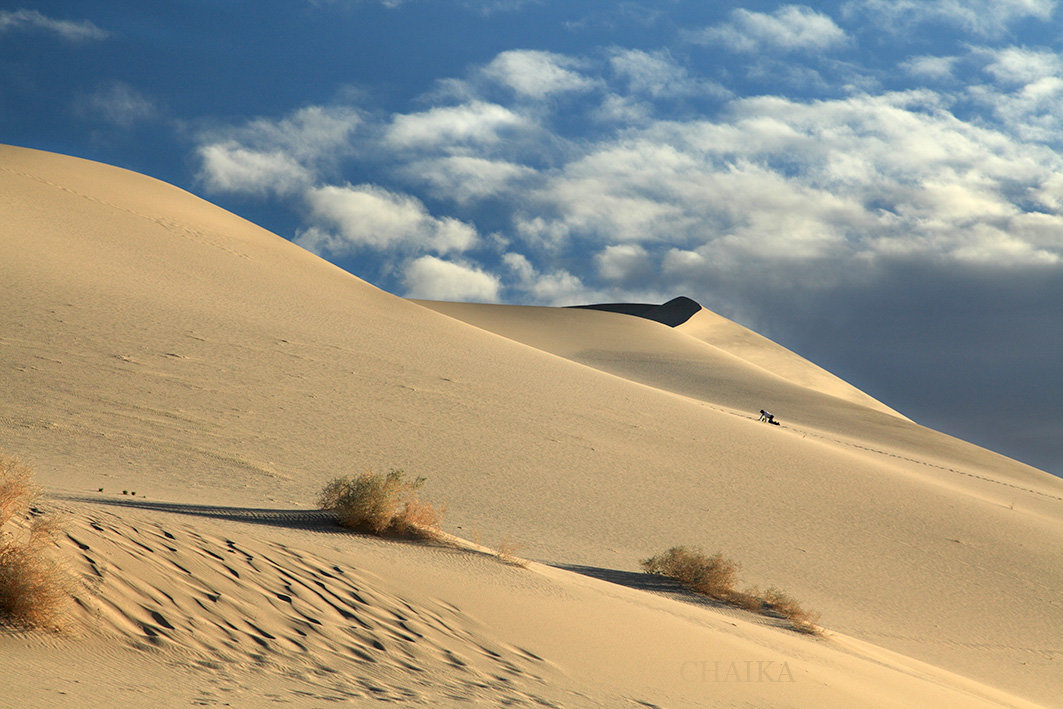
(153, 342)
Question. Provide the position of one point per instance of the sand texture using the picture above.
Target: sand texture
(151, 342)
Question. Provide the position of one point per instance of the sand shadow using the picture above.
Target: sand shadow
(631, 579)
(673, 313)
(641, 581)
(317, 520)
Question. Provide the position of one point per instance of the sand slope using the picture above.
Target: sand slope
(151, 341)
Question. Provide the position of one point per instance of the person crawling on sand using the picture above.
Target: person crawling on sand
(768, 416)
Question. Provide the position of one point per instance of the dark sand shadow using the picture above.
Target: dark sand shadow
(644, 582)
(319, 520)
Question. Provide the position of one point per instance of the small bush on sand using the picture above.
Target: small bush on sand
(34, 588)
(800, 620)
(17, 491)
(507, 554)
(712, 576)
(749, 600)
(384, 504)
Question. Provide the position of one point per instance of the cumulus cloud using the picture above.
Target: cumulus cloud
(351, 217)
(434, 278)
(476, 123)
(231, 167)
(1020, 65)
(657, 74)
(791, 28)
(826, 183)
(624, 265)
(29, 20)
(1025, 94)
(281, 156)
(989, 18)
(469, 179)
(930, 67)
(537, 74)
(554, 287)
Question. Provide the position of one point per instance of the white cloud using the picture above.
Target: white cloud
(657, 74)
(433, 278)
(785, 182)
(624, 109)
(1019, 65)
(537, 74)
(277, 156)
(475, 123)
(348, 218)
(556, 287)
(790, 28)
(1026, 96)
(623, 264)
(981, 17)
(468, 179)
(120, 104)
(230, 167)
(930, 67)
(13, 20)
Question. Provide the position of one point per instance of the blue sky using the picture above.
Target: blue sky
(876, 184)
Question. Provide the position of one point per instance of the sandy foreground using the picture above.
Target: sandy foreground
(152, 342)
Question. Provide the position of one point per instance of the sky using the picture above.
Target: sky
(875, 184)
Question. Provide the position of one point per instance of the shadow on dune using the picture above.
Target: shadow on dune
(632, 579)
(319, 520)
(675, 312)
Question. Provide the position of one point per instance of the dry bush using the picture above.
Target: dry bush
(750, 600)
(713, 576)
(507, 554)
(384, 504)
(34, 589)
(800, 620)
(417, 519)
(17, 491)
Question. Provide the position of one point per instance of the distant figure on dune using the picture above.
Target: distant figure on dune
(768, 416)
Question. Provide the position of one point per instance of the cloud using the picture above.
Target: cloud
(537, 74)
(118, 103)
(1019, 65)
(352, 217)
(791, 28)
(281, 157)
(473, 124)
(555, 287)
(928, 67)
(28, 20)
(658, 75)
(1026, 93)
(802, 187)
(468, 179)
(230, 167)
(989, 18)
(433, 278)
(624, 264)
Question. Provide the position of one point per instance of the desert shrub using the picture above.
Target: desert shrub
(384, 504)
(713, 576)
(507, 554)
(34, 589)
(800, 620)
(750, 599)
(17, 491)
